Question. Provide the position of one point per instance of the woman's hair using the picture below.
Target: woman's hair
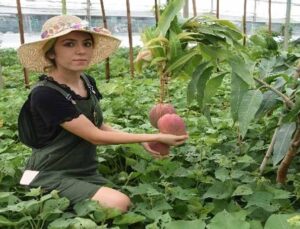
(49, 51)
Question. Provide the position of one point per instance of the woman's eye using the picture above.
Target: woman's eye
(88, 44)
(69, 44)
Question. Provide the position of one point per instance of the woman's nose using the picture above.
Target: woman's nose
(80, 49)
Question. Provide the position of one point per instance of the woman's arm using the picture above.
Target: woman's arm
(85, 129)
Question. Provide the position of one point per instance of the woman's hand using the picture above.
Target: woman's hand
(172, 140)
(154, 153)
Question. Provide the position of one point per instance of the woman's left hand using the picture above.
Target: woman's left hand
(154, 153)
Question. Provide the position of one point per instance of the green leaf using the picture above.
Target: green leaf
(222, 174)
(143, 189)
(225, 220)
(263, 200)
(179, 224)
(169, 13)
(243, 190)
(174, 46)
(128, 218)
(181, 60)
(282, 141)
(279, 221)
(182, 194)
(212, 86)
(238, 89)
(241, 69)
(219, 190)
(201, 85)
(6, 222)
(249, 105)
(192, 86)
(83, 223)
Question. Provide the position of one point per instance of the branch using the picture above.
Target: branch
(288, 158)
(270, 149)
(286, 99)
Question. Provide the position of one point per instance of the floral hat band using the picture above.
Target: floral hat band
(61, 26)
(32, 54)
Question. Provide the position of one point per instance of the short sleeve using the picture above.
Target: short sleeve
(52, 107)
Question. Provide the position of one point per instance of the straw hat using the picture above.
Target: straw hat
(32, 55)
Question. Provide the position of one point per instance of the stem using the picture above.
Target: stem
(288, 158)
(286, 99)
(270, 149)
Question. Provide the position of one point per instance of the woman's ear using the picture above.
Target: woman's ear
(51, 56)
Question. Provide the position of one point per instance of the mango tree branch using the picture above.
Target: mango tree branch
(270, 149)
(285, 98)
(288, 158)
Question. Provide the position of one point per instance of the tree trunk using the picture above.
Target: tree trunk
(130, 39)
(64, 7)
(107, 65)
(288, 158)
(287, 25)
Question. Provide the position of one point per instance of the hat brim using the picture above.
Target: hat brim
(32, 56)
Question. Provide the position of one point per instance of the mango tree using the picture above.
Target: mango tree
(208, 50)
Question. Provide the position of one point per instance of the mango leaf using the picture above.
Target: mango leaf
(241, 69)
(179, 224)
(226, 220)
(169, 13)
(282, 141)
(128, 218)
(238, 89)
(269, 102)
(174, 46)
(219, 190)
(279, 221)
(212, 86)
(249, 105)
(181, 60)
(192, 86)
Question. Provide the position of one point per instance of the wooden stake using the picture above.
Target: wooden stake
(107, 65)
(22, 40)
(130, 39)
(218, 9)
(245, 22)
(156, 12)
(194, 8)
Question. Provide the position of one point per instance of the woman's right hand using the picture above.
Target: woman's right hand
(172, 140)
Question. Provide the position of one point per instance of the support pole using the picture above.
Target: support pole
(107, 66)
(130, 39)
(22, 40)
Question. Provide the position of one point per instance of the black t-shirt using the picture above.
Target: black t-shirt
(50, 108)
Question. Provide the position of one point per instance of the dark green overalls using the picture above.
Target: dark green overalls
(68, 164)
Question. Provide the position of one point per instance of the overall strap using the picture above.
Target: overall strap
(88, 83)
(46, 83)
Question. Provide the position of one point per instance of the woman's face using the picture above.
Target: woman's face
(73, 51)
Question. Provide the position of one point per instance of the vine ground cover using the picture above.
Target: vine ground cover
(211, 182)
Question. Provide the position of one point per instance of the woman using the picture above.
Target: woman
(65, 121)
